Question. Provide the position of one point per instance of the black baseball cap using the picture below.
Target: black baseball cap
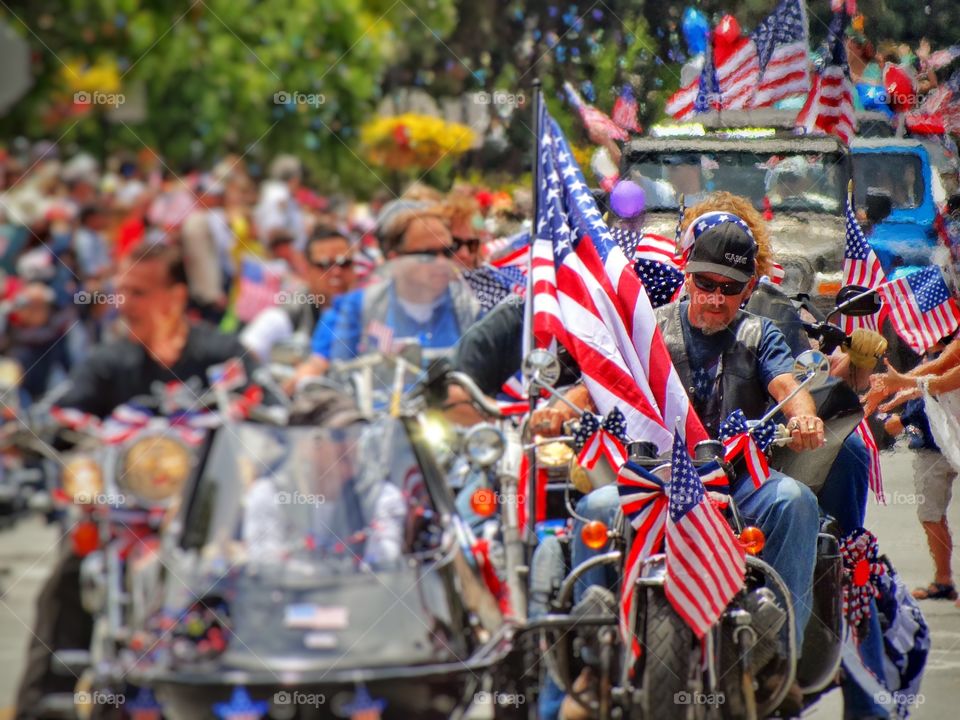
(725, 249)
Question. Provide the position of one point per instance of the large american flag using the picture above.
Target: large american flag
(860, 267)
(921, 308)
(829, 106)
(782, 41)
(586, 296)
(705, 562)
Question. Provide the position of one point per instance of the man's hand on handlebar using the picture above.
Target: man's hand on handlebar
(807, 432)
(548, 421)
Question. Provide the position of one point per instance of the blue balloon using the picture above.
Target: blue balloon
(696, 29)
(874, 97)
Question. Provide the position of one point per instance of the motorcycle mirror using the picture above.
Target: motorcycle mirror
(811, 367)
(858, 306)
(542, 366)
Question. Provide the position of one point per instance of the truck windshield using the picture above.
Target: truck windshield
(900, 175)
(810, 182)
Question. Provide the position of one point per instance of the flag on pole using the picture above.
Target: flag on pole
(587, 297)
(861, 266)
(705, 562)
(782, 39)
(593, 119)
(625, 110)
(921, 308)
(829, 106)
(875, 476)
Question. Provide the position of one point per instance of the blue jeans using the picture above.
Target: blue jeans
(844, 493)
(784, 509)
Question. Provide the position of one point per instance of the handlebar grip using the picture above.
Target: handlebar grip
(782, 436)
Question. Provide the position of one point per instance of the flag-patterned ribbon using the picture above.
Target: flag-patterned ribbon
(738, 440)
(607, 437)
(862, 569)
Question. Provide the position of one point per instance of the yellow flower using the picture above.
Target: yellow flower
(411, 140)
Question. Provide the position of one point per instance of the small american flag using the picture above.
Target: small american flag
(594, 119)
(656, 263)
(625, 110)
(829, 106)
(875, 476)
(644, 501)
(382, 336)
(861, 266)
(229, 375)
(777, 273)
(921, 308)
(258, 288)
(587, 297)
(705, 562)
(782, 40)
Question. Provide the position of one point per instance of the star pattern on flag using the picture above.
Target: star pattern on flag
(686, 487)
(784, 25)
(661, 281)
(928, 287)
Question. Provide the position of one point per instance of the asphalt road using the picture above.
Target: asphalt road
(27, 552)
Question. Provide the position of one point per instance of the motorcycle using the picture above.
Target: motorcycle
(747, 662)
(317, 566)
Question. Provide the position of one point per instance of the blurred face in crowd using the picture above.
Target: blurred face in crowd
(149, 302)
(685, 178)
(710, 309)
(330, 266)
(429, 244)
(466, 237)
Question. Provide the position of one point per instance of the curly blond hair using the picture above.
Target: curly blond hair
(723, 201)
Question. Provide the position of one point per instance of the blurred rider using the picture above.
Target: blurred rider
(421, 299)
(161, 346)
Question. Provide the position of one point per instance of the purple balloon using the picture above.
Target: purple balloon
(627, 199)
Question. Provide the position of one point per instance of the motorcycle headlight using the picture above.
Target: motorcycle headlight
(82, 479)
(155, 468)
(484, 445)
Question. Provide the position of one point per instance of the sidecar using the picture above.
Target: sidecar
(318, 572)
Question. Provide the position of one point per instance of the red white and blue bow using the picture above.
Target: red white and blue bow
(862, 569)
(607, 437)
(738, 440)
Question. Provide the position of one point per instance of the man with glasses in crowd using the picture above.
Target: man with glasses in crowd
(417, 296)
(328, 273)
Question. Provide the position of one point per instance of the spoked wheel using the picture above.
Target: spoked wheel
(670, 655)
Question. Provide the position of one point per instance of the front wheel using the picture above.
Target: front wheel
(669, 657)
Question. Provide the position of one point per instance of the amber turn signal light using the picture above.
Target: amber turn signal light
(594, 534)
(483, 502)
(752, 539)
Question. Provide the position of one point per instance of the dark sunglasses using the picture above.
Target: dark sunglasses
(343, 262)
(710, 286)
(471, 244)
(448, 252)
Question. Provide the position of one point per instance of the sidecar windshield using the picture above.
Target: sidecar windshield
(314, 499)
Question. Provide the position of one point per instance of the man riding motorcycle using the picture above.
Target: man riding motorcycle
(729, 359)
(161, 346)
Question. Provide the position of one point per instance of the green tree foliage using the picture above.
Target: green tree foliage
(243, 75)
